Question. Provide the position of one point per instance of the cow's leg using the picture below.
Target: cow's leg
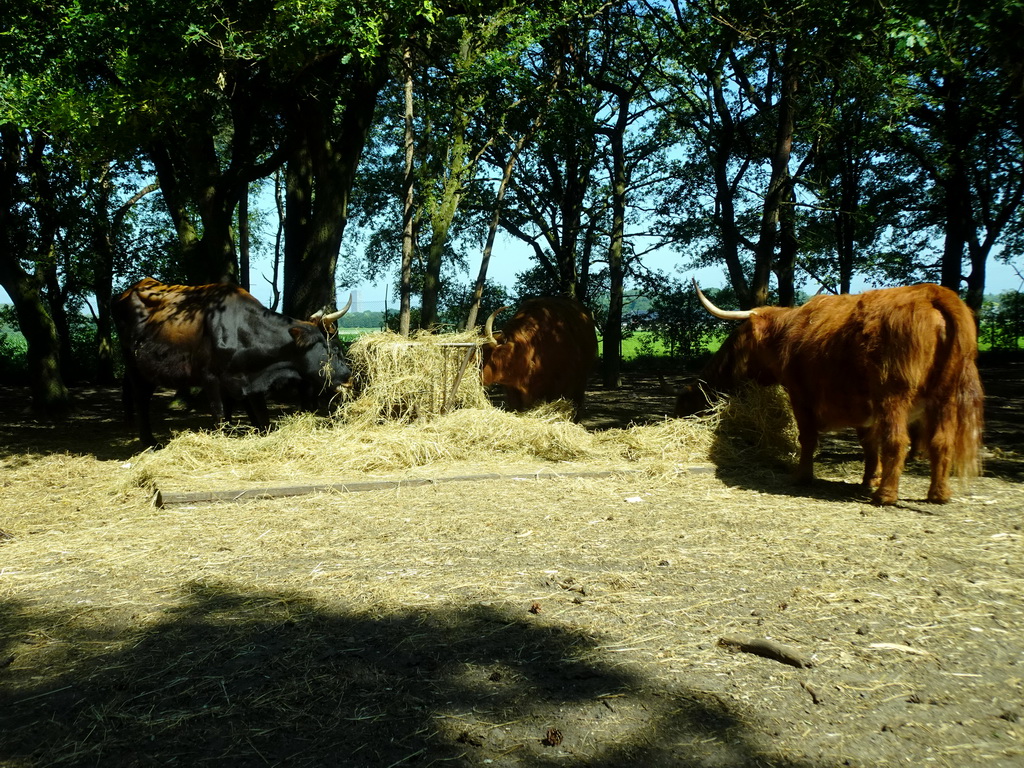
(140, 393)
(128, 400)
(256, 407)
(807, 429)
(869, 445)
(940, 435)
(215, 394)
(892, 439)
(515, 399)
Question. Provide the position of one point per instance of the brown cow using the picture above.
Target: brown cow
(545, 352)
(887, 362)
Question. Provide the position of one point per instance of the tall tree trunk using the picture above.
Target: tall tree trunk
(190, 175)
(298, 198)
(845, 217)
(492, 230)
(56, 299)
(725, 208)
(612, 351)
(243, 241)
(955, 185)
(457, 166)
(278, 242)
(106, 226)
(103, 279)
(779, 185)
(50, 396)
(958, 225)
(321, 170)
(408, 210)
(785, 269)
(312, 238)
(176, 200)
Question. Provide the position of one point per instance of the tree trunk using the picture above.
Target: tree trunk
(785, 270)
(50, 396)
(321, 170)
(243, 241)
(958, 226)
(408, 211)
(106, 226)
(210, 257)
(612, 352)
(492, 230)
(780, 183)
(725, 209)
(845, 217)
(56, 301)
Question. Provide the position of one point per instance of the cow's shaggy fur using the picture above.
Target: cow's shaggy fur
(545, 352)
(891, 363)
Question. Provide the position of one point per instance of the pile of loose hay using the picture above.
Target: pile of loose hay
(756, 420)
(403, 378)
(305, 449)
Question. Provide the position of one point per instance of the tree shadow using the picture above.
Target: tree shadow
(237, 679)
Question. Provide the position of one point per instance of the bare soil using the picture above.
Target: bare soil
(573, 622)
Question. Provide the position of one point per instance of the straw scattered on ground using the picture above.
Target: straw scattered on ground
(508, 623)
(313, 450)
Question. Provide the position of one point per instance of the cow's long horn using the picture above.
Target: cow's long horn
(721, 314)
(489, 325)
(335, 315)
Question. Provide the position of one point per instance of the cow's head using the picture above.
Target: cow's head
(321, 364)
(695, 397)
(495, 352)
(737, 360)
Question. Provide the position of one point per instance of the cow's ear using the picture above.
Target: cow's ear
(304, 336)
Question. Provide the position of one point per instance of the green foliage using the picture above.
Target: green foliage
(456, 302)
(1002, 322)
(678, 321)
(13, 350)
(366, 319)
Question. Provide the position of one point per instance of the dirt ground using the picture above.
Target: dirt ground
(563, 622)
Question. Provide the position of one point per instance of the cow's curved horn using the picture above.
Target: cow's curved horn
(489, 325)
(721, 314)
(335, 315)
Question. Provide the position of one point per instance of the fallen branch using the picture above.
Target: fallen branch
(767, 649)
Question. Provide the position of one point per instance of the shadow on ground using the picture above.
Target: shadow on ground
(264, 679)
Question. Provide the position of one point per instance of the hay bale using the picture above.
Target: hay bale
(405, 378)
(755, 421)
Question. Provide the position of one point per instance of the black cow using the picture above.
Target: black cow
(220, 338)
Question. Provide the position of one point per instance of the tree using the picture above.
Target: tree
(625, 73)
(960, 104)
(746, 94)
(550, 198)
(28, 232)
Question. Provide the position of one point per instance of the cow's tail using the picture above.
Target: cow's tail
(970, 402)
(967, 395)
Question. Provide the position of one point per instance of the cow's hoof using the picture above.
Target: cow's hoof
(883, 500)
